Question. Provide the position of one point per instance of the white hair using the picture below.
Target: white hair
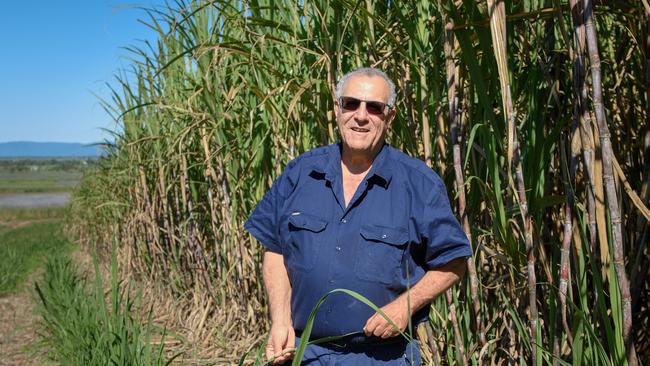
(367, 71)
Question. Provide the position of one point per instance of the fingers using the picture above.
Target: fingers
(286, 355)
(280, 347)
(371, 325)
(288, 351)
(269, 351)
(388, 333)
(291, 339)
(379, 327)
(376, 326)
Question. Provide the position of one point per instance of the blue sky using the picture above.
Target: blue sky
(54, 56)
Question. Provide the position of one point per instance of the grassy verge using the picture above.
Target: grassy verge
(22, 247)
(9, 216)
(79, 327)
(41, 175)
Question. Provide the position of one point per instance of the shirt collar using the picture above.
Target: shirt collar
(381, 172)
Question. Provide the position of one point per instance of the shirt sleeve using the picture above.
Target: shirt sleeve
(263, 222)
(445, 240)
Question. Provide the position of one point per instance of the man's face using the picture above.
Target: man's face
(362, 125)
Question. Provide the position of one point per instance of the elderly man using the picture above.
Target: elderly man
(363, 216)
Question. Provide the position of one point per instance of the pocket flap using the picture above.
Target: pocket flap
(393, 236)
(306, 222)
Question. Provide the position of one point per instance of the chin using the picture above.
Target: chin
(359, 148)
(358, 144)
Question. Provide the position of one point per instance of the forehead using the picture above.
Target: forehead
(366, 88)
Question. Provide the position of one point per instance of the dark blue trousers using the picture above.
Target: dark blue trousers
(390, 354)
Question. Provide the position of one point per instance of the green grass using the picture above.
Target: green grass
(38, 182)
(79, 327)
(23, 249)
(37, 176)
(28, 214)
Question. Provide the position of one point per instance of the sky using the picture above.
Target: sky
(55, 56)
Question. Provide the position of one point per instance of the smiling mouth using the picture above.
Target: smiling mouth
(359, 129)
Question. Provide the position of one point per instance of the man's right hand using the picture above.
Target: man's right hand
(282, 337)
(281, 345)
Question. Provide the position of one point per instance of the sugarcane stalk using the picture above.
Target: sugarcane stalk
(496, 10)
(432, 344)
(441, 142)
(645, 188)
(581, 113)
(143, 206)
(587, 143)
(426, 130)
(595, 223)
(211, 180)
(151, 230)
(568, 173)
(166, 237)
(454, 117)
(193, 234)
(530, 249)
(608, 180)
(639, 267)
(454, 322)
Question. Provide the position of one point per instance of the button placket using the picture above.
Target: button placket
(338, 242)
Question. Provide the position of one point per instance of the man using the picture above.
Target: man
(363, 216)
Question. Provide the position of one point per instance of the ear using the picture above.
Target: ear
(391, 116)
(337, 108)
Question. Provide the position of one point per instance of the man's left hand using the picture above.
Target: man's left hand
(377, 325)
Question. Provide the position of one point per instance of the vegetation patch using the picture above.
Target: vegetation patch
(22, 250)
(11, 216)
(38, 175)
(230, 92)
(79, 327)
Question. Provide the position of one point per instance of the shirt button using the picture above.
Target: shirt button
(331, 281)
(338, 248)
(384, 236)
(344, 221)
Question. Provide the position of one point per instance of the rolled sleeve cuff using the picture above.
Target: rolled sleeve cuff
(448, 256)
(264, 239)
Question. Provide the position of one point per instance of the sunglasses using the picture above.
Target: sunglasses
(373, 107)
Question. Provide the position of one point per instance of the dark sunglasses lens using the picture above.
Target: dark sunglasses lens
(350, 104)
(375, 107)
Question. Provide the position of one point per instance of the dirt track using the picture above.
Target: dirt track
(18, 322)
(18, 330)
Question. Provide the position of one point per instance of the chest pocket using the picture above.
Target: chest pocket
(304, 241)
(379, 253)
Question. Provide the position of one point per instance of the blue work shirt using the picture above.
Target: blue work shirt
(397, 226)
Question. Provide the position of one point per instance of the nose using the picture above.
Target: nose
(361, 114)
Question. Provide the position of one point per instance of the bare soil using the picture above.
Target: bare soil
(18, 327)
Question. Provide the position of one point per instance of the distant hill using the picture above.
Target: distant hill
(26, 149)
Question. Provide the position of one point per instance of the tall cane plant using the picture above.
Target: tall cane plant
(499, 97)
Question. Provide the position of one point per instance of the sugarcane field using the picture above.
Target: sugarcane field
(341, 182)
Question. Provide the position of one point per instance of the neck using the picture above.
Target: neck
(358, 162)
